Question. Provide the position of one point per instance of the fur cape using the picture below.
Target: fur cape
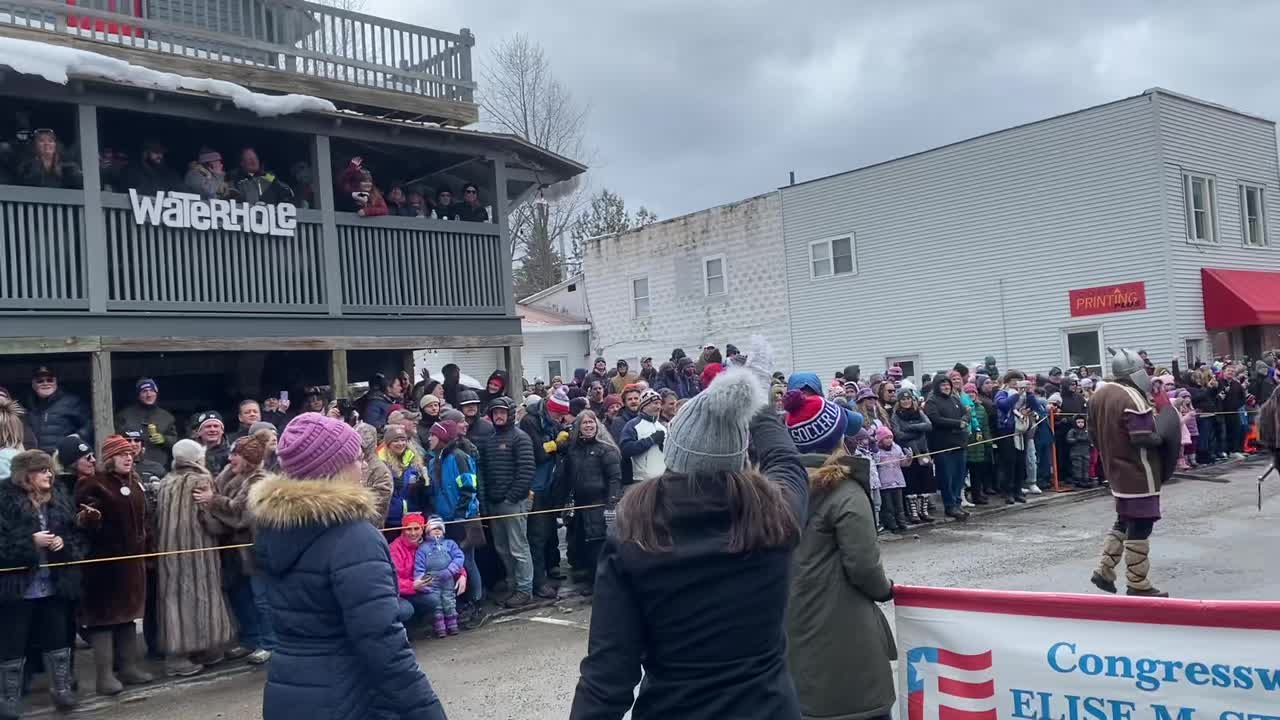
(191, 609)
(230, 507)
(282, 502)
(115, 592)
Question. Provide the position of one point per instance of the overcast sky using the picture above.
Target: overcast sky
(700, 102)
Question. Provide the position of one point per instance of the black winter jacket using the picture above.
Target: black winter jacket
(505, 465)
(18, 522)
(1234, 396)
(591, 471)
(950, 428)
(706, 625)
(911, 431)
(57, 416)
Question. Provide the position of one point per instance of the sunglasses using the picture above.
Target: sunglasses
(46, 379)
(469, 192)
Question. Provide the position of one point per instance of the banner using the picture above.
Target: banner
(992, 655)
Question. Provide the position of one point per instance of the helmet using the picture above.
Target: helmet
(1127, 365)
(502, 401)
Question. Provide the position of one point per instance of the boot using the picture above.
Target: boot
(451, 623)
(1137, 565)
(103, 644)
(57, 664)
(518, 599)
(1105, 576)
(439, 626)
(926, 508)
(130, 652)
(11, 688)
(913, 509)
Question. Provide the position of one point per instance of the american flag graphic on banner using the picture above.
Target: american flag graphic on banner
(944, 685)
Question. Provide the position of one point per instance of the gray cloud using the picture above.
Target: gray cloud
(698, 103)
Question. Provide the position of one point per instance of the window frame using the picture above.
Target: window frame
(830, 244)
(1245, 189)
(1189, 211)
(1068, 331)
(724, 276)
(647, 297)
(564, 364)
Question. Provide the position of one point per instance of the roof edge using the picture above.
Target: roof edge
(1206, 103)
(575, 278)
(685, 216)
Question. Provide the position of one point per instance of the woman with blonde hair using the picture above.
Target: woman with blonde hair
(590, 472)
(13, 432)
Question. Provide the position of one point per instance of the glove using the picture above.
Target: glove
(154, 433)
(658, 437)
(562, 438)
(549, 446)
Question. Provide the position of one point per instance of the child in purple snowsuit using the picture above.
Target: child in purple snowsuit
(442, 560)
(890, 458)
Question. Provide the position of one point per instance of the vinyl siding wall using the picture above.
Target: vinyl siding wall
(947, 238)
(1233, 149)
(571, 346)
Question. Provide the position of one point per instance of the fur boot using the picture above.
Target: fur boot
(1137, 565)
(1112, 548)
(441, 629)
(103, 643)
(129, 651)
(913, 509)
(926, 508)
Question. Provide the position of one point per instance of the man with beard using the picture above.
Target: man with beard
(1138, 450)
(161, 432)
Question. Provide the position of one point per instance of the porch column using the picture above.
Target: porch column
(95, 224)
(408, 364)
(500, 211)
(515, 369)
(322, 170)
(338, 373)
(103, 404)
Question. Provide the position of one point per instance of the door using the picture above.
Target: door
(556, 367)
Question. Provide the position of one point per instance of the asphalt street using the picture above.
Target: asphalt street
(1212, 543)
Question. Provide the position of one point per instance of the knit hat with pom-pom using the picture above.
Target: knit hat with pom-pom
(815, 423)
(710, 433)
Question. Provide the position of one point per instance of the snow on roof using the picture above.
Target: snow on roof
(534, 316)
(57, 64)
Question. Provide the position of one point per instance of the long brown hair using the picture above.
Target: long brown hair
(11, 432)
(759, 517)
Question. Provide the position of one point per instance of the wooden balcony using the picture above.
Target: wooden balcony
(45, 264)
(360, 62)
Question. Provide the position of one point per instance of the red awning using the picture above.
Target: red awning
(1237, 298)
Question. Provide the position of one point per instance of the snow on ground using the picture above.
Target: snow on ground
(58, 64)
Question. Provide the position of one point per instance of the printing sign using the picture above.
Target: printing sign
(1108, 299)
(186, 211)
(988, 655)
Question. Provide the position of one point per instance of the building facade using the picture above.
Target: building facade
(710, 277)
(1041, 244)
(268, 298)
(1146, 222)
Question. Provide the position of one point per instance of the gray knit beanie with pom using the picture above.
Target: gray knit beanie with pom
(710, 433)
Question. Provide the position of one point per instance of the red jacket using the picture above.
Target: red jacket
(402, 557)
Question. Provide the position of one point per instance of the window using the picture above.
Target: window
(833, 256)
(555, 368)
(1195, 350)
(1084, 347)
(907, 363)
(1198, 192)
(713, 275)
(640, 297)
(1253, 212)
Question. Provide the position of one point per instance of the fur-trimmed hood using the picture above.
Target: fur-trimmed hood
(283, 503)
(290, 516)
(823, 477)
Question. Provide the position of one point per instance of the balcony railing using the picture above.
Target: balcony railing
(292, 36)
(386, 266)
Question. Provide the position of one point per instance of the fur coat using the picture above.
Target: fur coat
(230, 507)
(114, 592)
(191, 609)
(19, 521)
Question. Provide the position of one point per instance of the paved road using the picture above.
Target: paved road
(1211, 544)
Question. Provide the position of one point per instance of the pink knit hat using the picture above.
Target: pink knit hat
(315, 446)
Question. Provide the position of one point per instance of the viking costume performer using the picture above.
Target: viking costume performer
(1138, 443)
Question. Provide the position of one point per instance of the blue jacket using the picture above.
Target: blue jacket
(1006, 401)
(453, 484)
(341, 652)
(441, 560)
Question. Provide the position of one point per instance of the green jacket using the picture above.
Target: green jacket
(143, 416)
(977, 453)
(839, 642)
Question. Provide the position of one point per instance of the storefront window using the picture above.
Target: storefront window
(1084, 347)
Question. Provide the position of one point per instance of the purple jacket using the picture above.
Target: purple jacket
(890, 467)
(441, 559)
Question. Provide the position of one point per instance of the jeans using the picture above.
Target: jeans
(416, 608)
(950, 469)
(475, 586)
(1208, 442)
(240, 597)
(511, 541)
(258, 587)
(1033, 463)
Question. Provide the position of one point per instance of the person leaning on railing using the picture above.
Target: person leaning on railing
(46, 166)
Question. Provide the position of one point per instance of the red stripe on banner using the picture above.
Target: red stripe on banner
(971, 691)
(948, 713)
(981, 661)
(1238, 614)
(915, 706)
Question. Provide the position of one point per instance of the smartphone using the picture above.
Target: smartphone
(284, 396)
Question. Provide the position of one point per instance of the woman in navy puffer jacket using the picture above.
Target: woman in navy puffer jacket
(331, 587)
